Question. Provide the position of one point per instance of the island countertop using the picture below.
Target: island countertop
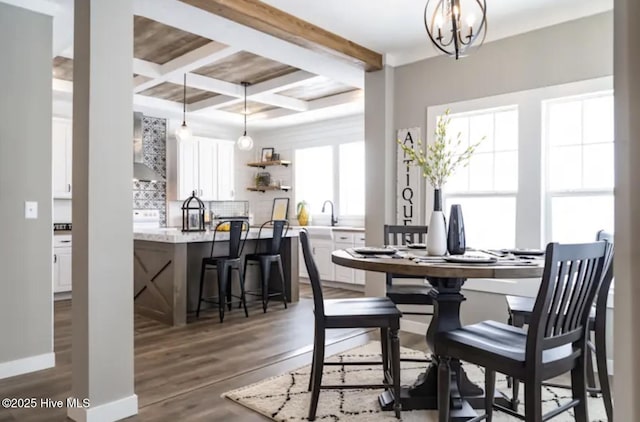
(175, 235)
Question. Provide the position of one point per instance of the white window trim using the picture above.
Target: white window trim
(343, 219)
(530, 198)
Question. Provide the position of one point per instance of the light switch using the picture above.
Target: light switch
(30, 210)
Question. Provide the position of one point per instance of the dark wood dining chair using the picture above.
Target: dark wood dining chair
(555, 343)
(405, 293)
(267, 259)
(225, 266)
(520, 311)
(373, 312)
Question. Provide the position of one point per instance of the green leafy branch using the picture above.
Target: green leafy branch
(441, 158)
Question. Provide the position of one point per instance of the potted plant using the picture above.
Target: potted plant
(438, 161)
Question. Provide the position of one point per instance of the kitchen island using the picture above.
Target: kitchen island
(167, 266)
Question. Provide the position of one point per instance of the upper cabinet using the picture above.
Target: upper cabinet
(204, 166)
(61, 151)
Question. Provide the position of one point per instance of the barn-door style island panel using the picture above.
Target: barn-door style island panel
(167, 266)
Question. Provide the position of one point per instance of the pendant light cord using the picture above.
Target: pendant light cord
(184, 100)
(245, 108)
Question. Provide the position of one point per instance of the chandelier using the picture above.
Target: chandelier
(455, 25)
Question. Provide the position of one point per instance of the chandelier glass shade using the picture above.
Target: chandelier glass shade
(244, 142)
(455, 26)
(183, 133)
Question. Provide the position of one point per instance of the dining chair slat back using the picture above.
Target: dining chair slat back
(571, 279)
(401, 235)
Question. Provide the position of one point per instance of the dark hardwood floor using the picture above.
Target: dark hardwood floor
(181, 372)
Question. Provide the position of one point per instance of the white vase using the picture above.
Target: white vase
(437, 235)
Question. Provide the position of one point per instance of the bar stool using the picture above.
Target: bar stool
(225, 266)
(267, 259)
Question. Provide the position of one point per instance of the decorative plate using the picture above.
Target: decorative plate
(417, 246)
(530, 252)
(470, 259)
(373, 250)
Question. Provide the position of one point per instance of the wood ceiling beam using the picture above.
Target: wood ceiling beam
(143, 102)
(262, 92)
(192, 60)
(281, 83)
(355, 96)
(199, 22)
(275, 22)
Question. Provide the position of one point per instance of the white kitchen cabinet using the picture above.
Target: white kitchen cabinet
(226, 190)
(61, 134)
(358, 242)
(342, 273)
(321, 250)
(346, 240)
(62, 264)
(206, 167)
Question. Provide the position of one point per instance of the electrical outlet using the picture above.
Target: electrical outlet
(30, 210)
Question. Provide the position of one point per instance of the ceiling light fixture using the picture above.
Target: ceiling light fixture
(450, 24)
(183, 133)
(245, 143)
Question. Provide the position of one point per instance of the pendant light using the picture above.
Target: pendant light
(245, 143)
(455, 25)
(183, 133)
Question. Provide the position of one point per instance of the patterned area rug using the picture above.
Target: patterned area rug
(285, 397)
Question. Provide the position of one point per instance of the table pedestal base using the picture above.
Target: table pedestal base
(423, 394)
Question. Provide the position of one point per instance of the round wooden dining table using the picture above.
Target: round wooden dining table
(446, 280)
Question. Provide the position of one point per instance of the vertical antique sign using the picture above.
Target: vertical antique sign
(409, 198)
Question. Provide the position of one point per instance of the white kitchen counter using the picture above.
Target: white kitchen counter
(175, 235)
(333, 228)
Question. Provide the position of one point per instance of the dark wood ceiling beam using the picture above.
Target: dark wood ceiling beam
(265, 18)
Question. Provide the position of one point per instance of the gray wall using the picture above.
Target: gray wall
(25, 175)
(569, 52)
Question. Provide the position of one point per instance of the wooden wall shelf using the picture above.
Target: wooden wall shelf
(263, 164)
(268, 188)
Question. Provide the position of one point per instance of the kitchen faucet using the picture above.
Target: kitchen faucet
(334, 220)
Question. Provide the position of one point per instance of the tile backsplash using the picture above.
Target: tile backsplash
(153, 195)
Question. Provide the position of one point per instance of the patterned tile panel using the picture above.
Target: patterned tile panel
(153, 195)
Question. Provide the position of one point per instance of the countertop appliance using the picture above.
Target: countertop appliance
(146, 219)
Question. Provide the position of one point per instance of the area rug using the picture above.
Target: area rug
(285, 397)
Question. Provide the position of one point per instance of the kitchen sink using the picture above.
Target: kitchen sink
(320, 232)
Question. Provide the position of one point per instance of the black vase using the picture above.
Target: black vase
(456, 242)
(437, 200)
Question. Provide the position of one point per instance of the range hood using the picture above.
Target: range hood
(141, 171)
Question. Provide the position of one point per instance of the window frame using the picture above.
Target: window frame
(532, 216)
(335, 154)
(550, 194)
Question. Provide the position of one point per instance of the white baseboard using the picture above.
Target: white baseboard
(26, 365)
(107, 412)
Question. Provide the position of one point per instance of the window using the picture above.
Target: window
(579, 140)
(351, 178)
(314, 176)
(486, 189)
(316, 181)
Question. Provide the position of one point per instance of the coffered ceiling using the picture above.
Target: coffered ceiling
(167, 47)
(300, 58)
